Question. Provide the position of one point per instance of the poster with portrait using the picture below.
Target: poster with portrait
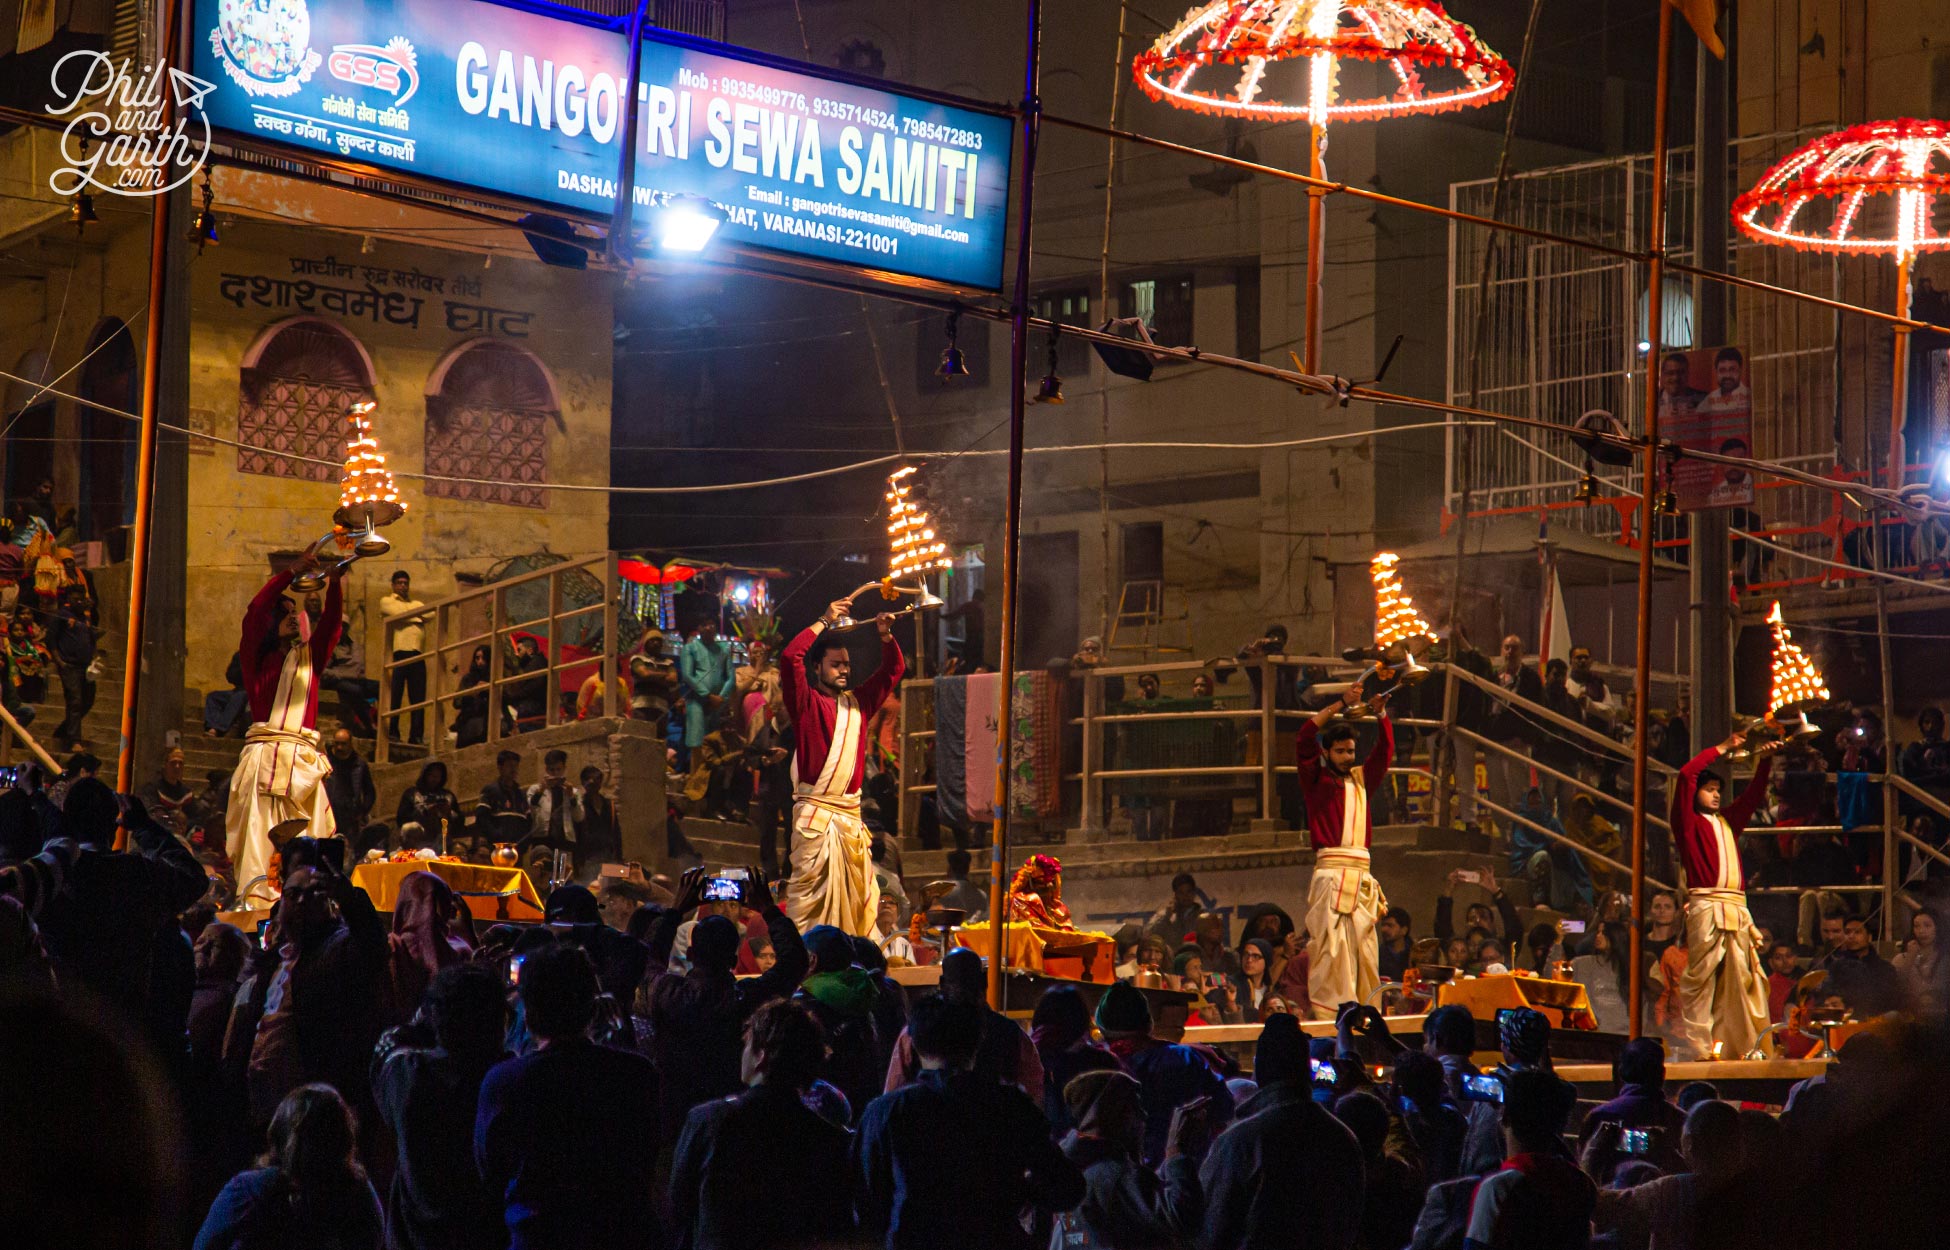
(1707, 404)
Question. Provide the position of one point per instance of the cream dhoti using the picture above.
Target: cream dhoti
(1724, 991)
(1344, 902)
(280, 778)
(832, 864)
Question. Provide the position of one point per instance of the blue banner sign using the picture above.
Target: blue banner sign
(530, 106)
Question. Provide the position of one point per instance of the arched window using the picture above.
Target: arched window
(489, 406)
(110, 377)
(294, 389)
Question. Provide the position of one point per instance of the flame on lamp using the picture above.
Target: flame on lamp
(1797, 682)
(911, 541)
(1396, 622)
(368, 486)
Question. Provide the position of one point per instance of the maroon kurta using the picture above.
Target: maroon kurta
(814, 711)
(1325, 790)
(262, 667)
(1697, 840)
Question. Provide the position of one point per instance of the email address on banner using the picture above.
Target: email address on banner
(890, 221)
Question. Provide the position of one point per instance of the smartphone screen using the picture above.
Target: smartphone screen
(1572, 926)
(1482, 1087)
(1323, 1073)
(1635, 1141)
(514, 969)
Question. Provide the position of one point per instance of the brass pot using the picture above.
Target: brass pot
(505, 855)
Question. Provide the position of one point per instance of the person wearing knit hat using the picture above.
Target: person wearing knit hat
(1169, 1075)
(1125, 1203)
(1123, 1012)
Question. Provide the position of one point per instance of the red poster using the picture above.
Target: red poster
(1706, 404)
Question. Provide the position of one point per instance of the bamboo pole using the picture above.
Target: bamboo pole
(1012, 518)
(1642, 680)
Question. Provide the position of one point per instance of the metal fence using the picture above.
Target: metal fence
(573, 643)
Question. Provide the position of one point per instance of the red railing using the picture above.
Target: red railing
(1836, 526)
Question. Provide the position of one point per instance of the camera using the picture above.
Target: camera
(727, 886)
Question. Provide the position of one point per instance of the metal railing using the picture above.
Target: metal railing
(456, 626)
(1103, 734)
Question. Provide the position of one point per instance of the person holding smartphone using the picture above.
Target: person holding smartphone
(1344, 901)
(1723, 994)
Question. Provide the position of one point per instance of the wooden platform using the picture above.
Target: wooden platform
(1738, 1080)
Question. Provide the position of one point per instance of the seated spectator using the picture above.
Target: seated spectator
(1127, 1206)
(1395, 943)
(566, 1136)
(225, 711)
(427, 1098)
(307, 1190)
(1864, 979)
(765, 1132)
(915, 1195)
(1282, 1133)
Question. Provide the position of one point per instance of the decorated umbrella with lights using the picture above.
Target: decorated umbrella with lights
(1869, 190)
(1224, 57)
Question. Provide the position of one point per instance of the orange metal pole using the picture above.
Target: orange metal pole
(145, 463)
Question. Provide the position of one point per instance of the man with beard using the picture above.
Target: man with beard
(1724, 992)
(832, 869)
(1344, 900)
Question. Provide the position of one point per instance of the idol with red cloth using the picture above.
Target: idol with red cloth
(1344, 902)
(1723, 994)
(832, 870)
(280, 777)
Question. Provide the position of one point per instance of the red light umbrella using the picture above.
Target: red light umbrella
(1867, 190)
(1223, 58)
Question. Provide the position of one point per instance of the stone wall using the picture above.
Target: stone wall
(410, 310)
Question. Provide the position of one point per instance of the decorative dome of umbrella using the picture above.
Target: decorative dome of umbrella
(1866, 190)
(1218, 58)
